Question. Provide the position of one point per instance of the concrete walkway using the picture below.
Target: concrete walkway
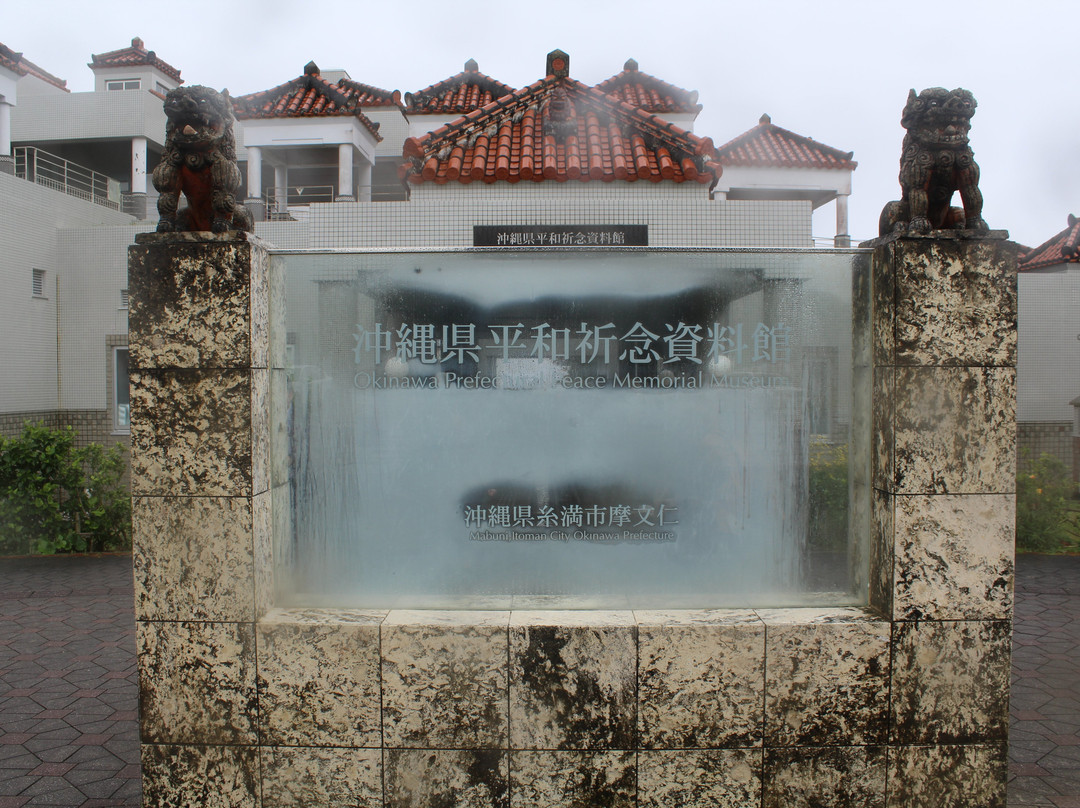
(68, 684)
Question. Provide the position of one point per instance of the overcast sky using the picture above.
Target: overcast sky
(834, 70)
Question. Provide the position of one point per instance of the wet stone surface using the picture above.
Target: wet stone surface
(572, 687)
(941, 573)
(197, 682)
(198, 303)
(955, 431)
(954, 301)
(69, 732)
(195, 559)
(445, 684)
(297, 777)
(318, 683)
(446, 777)
(837, 776)
(700, 681)
(826, 684)
(546, 779)
(191, 432)
(950, 682)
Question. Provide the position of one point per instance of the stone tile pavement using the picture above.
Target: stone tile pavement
(68, 684)
(1044, 731)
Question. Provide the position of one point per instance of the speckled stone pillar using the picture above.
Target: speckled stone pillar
(199, 326)
(943, 466)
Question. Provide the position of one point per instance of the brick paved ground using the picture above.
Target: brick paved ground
(1044, 733)
(68, 686)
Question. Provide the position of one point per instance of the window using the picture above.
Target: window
(38, 283)
(123, 84)
(121, 421)
(123, 298)
(161, 88)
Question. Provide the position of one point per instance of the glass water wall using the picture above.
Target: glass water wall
(628, 429)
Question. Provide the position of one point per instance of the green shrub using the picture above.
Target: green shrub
(828, 484)
(1045, 513)
(56, 498)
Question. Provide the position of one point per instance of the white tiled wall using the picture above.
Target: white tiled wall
(29, 219)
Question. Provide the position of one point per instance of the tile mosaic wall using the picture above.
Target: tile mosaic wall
(889, 705)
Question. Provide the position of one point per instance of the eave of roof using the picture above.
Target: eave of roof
(133, 56)
(770, 146)
(648, 92)
(593, 136)
(367, 96)
(18, 64)
(1064, 248)
(467, 91)
(306, 96)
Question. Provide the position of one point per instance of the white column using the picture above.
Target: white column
(7, 163)
(363, 191)
(843, 238)
(345, 171)
(138, 165)
(5, 128)
(254, 172)
(281, 188)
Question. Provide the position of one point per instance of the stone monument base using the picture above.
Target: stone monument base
(903, 703)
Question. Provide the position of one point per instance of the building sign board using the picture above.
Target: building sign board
(560, 235)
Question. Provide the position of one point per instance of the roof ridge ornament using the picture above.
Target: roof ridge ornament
(560, 118)
(558, 64)
(764, 118)
(471, 66)
(311, 69)
(631, 65)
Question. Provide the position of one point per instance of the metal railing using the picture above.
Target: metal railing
(278, 200)
(41, 167)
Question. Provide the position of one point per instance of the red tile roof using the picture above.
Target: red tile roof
(1064, 248)
(24, 67)
(134, 56)
(307, 96)
(648, 92)
(559, 129)
(367, 96)
(465, 92)
(767, 145)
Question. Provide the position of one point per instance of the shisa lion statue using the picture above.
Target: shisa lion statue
(937, 161)
(199, 162)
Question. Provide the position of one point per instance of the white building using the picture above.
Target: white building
(331, 162)
(1048, 364)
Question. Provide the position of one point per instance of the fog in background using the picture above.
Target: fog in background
(834, 70)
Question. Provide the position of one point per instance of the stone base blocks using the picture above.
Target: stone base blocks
(199, 341)
(943, 461)
(901, 703)
(770, 707)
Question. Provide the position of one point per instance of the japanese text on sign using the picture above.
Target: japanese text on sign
(621, 516)
(680, 342)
